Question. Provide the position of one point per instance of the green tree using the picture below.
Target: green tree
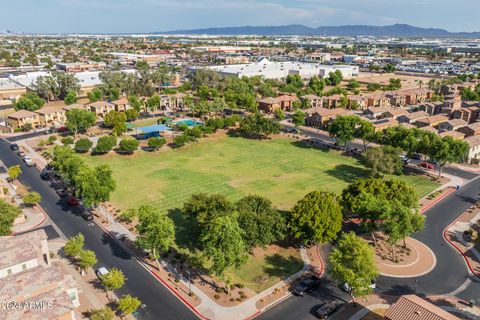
(83, 145)
(71, 98)
(132, 114)
(352, 261)
(365, 131)
(67, 141)
(448, 150)
(74, 246)
(94, 185)
(87, 259)
(29, 101)
(317, 218)
(95, 95)
(80, 120)
(113, 280)
(261, 222)
(383, 160)
(153, 103)
(14, 172)
(343, 129)
(223, 245)
(389, 68)
(102, 314)
(353, 84)
(335, 78)
(8, 214)
(156, 233)
(156, 142)
(279, 114)
(135, 102)
(105, 144)
(117, 121)
(31, 199)
(298, 118)
(203, 207)
(128, 304)
(128, 145)
(258, 126)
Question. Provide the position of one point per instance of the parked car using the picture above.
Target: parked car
(21, 153)
(326, 310)
(405, 159)
(73, 201)
(306, 285)
(347, 288)
(28, 161)
(45, 175)
(62, 192)
(102, 271)
(416, 156)
(427, 165)
(87, 215)
(62, 129)
(14, 147)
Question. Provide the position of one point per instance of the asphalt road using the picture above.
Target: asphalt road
(160, 303)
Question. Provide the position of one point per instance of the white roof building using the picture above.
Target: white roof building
(279, 70)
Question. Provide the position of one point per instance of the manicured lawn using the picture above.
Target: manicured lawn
(266, 267)
(277, 169)
(144, 122)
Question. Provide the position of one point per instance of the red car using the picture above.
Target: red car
(72, 201)
(428, 166)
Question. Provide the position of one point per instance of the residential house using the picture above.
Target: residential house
(357, 102)
(50, 116)
(21, 118)
(284, 102)
(74, 106)
(432, 108)
(384, 112)
(383, 124)
(321, 117)
(101, 108)
(27, 275)
(451, 103)
(471, 130)
(177, 100)
(474, 151)
(429, 129)
(121, 105)
(454, 134)
(397, 100)
(315, 101)
(451, 125)
(412, 307)
(333, 101)
(415, 96)
(469, 114)
(412, 117)
(432, 121)
(378, 100)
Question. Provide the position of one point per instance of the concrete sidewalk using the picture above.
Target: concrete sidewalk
(208, 307)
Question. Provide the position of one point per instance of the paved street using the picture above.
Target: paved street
(450, 274)
(161, 304)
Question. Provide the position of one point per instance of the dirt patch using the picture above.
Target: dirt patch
(397, 255)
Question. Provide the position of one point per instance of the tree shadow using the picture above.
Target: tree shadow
(347, 173)
(306, 145)
(280, 266)
(186, 231)
(116, 249)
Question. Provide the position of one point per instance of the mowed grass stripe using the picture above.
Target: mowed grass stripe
(276, 169)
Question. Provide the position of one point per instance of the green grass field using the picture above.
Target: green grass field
(277, 169)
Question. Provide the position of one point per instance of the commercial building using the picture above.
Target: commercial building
(280, 70)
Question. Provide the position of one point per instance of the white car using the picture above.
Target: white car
(347, 288)
(101, 272)
(28, 161)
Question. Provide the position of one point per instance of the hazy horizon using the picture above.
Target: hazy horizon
(142, 16)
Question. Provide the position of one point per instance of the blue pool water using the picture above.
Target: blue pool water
(188, 122)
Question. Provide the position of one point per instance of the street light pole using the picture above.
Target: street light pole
(415, 286)
(189, 284)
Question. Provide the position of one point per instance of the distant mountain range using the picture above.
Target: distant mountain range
(395, 30)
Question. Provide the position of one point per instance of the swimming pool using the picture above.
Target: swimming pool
(188, 122)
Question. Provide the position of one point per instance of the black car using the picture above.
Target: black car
(14, 147)
(62, 192)
(325, 310)
(416, 156)
(87, 215)
(306, 285)
(45, 175)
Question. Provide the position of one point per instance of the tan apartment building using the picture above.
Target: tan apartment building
(21, 118)
(50, 116)
(284, 102)
(321, 117)
(452, 125)
(412, 117)
(469, 114)
(315, 101)
(27, 275)
(378, 100)
(121, 105)
(472, 129)
(101, 108)
(357, 102)
(432, 121)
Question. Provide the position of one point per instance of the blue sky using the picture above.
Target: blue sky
(51, 16)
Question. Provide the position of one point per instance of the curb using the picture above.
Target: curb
(170, 288)
(431, 204)
(457, 248)
(35, 226)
